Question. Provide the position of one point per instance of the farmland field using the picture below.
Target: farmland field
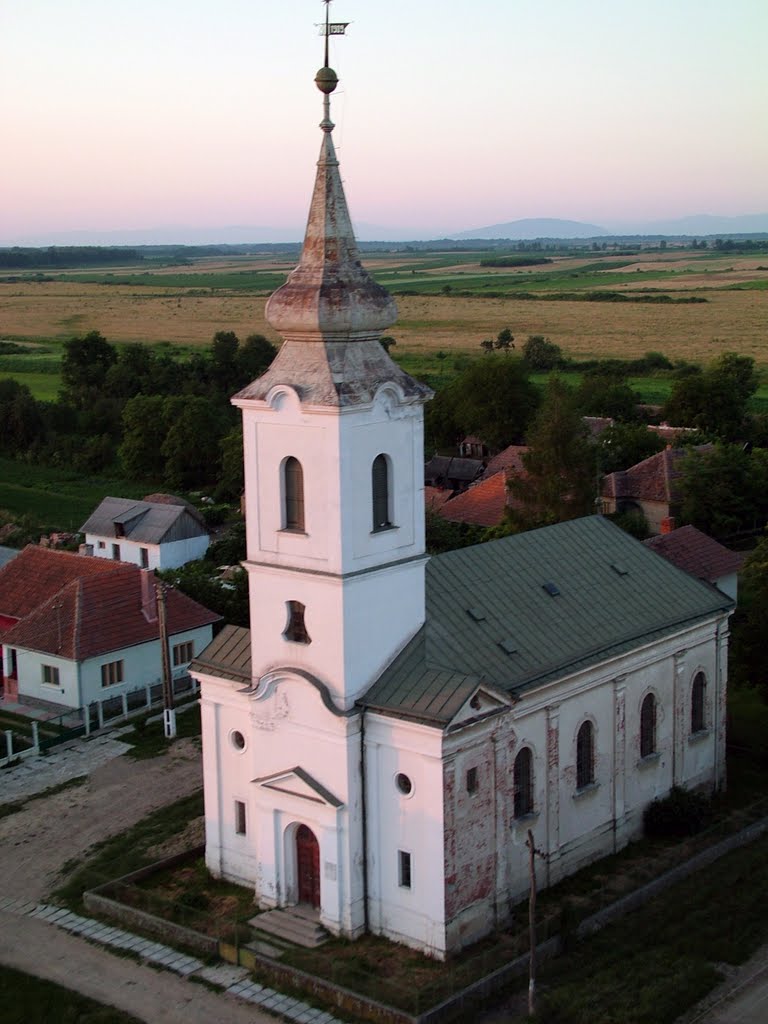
(687, 305)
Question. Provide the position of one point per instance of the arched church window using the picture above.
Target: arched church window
(382, 519)
(585, 755)
(698, 693)
(295, 629)
(522, 778)
(648, 726)
(293, 495)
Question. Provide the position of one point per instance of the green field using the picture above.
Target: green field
(56, 498)
(44, 386)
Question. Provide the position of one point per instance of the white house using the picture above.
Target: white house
(85, 633)
(163, 533)
(379, 742)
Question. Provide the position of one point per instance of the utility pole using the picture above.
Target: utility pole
(532, 854)
(169, 714)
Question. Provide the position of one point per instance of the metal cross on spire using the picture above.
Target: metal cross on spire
(331, 28)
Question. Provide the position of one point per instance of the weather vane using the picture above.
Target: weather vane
(330, 28)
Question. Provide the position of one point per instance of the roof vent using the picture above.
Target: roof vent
(477, 614)
(509, 646)
(620, 570)
(551, 588)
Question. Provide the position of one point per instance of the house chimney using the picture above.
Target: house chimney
(667, 524)
(148, 595)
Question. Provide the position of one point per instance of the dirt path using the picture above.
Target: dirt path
(38, 840)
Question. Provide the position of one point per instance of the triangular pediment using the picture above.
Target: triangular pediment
(298, 782)
(483, 702)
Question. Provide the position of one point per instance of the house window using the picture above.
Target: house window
(698, 692)
(50, 675)
(144, 558)
(648, 726)
(239, 817)
(14, 668)
(472, 780)
(112, 673)
(293, 495)
(116, 552)
(522, 778)
(295, 629)
(183, 653)
(380, 490)
(585, 756)
(403, 869)
(102, 544)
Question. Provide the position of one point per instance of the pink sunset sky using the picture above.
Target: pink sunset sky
(119, 115)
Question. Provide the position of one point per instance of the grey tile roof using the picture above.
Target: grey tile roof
(612, 595)
(143, 521)
(227, 656)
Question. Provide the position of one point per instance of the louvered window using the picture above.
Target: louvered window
(648, 726)
(293, 495)
(380, 488)
(523, 783)
(585, 756)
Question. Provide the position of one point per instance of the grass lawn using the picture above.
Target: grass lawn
(148, 740)
(44, 386)
(26, 999)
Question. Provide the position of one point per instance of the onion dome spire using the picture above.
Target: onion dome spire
(330, 296)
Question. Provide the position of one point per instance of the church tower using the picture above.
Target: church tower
(333, 447)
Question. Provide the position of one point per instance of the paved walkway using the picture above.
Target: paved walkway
(67, 761)
(232, 981)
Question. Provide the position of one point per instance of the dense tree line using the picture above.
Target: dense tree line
(141, 411)
(55, 256)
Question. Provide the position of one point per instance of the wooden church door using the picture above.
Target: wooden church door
(308, 866)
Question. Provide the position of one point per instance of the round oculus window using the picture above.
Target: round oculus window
(404, 784)
(238, 740)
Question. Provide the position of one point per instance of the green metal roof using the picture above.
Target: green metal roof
(525, 609)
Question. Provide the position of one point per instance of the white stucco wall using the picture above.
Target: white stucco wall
(169, 555)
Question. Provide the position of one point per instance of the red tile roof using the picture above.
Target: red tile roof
(435, 498)
(38, 573)
(653, 479)
(98, 614)
(696, 553)
(482, 504)
(510, 459)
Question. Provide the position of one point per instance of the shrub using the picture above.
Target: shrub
(680, 813)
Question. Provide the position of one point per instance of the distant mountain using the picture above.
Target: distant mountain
(697, 224)
(538, 227)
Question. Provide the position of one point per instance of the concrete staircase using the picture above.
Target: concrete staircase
(299, 926)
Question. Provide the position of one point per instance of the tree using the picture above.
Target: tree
(542, 354)
(505, 340)
(253, 357)
(144, 430)
(625, 444)
(601, 394)
(493, 398)
(559, 479)
(20, 420)
(84, 367)
(191, 446)
(724, 490)
(231, 481)
(715, 399)
(748, 653)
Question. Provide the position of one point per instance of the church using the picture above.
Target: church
(378, 745)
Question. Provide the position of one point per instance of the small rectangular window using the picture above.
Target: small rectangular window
(472, 780)
(403, 869)
(50, 675)
(239, 817)
(102, 545)
(112, 673)
(116, 552)
(144, 558)
(182, 653)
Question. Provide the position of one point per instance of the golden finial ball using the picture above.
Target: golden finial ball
(326, 80)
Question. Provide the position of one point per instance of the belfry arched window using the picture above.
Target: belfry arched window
(698, 693)
(648, 726)
(382, 518)
(523, 783)
(293, 495)
(585, 755)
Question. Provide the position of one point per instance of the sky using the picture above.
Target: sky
(120, 115)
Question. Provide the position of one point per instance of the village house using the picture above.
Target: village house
(160, 532)
(377, 746)
(76, 629)
(702, 556)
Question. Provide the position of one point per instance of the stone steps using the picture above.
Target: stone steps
(296, 925)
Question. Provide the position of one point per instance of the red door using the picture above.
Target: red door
(308, 866)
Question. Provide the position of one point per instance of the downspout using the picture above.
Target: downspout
(364, 812)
